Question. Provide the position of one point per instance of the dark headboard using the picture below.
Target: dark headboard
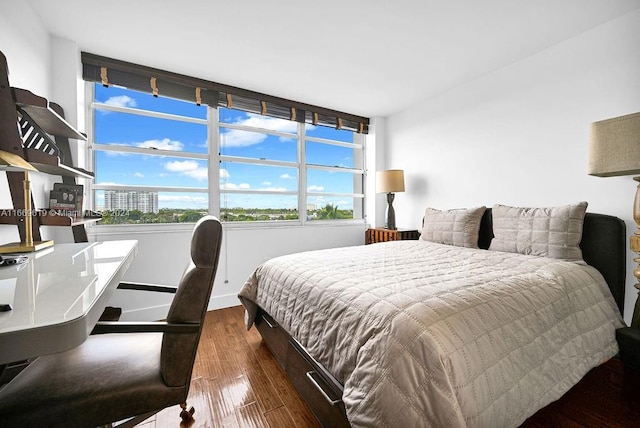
(604, 246)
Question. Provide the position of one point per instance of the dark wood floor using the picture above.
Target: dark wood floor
(237, 383)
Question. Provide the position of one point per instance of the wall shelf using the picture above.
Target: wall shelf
(50, 164)
(40, 110)
(35, 129)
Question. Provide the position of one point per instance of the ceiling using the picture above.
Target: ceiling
(365, 57)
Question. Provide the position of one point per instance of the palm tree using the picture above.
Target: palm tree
(330, 211)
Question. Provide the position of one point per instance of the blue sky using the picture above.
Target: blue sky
(114, 128)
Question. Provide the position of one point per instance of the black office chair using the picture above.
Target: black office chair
(125, 371)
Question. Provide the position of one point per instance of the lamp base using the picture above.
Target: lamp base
(391, 214)
(21, 247)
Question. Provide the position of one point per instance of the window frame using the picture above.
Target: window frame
(214, 159)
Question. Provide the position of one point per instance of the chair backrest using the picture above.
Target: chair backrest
(190, 302)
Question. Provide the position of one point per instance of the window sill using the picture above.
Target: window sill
(119, 229)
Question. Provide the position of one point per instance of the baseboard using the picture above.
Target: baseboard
(224, 301)
(160, 312)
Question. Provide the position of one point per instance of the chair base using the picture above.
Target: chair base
(187, 412)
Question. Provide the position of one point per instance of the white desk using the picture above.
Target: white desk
(58, 296)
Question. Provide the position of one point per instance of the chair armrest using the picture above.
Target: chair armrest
(141, 286)
(629, 342)
(103, 327)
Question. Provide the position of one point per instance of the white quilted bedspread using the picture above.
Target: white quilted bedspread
(424, 334)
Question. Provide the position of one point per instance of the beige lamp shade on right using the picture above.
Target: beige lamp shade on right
(390, 181)
(614, 146)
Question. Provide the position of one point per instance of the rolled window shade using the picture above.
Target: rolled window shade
(141, 83)
(137, 77)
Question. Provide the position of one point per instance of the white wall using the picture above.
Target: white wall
(519, 135)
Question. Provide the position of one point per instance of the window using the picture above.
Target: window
(154, 156)
(275, 169)
(334, 166)
(151, 157)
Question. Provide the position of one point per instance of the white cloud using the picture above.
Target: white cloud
(138, 174)
(237, 138)
(315, 188)
(287, 177)
(200, 174)
(164, 144)
(181, 166)
(266, 183)
(272, 123)
(121, 101)
(224, 173)
(189, 168)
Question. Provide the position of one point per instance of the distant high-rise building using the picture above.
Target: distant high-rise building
(146, 202)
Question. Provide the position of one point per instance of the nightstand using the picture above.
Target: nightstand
(380, 234)
(629, 342)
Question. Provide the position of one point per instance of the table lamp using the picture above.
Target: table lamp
(13, 162)
(614, 150)
(390, 182)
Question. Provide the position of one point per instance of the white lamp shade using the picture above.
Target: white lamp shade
(614, 146)
(390, 181)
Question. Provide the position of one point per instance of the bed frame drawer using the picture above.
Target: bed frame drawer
(318, 389)
(276, 339)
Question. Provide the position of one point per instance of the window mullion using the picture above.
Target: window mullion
(350, 195)
(213, 120)
(136, 187)
(148, 151)
(335, 168)
(302, 174)
(149, 113)
(237, 159)
(353, 145)
(256, 130)
(358, 181)
(89, 96)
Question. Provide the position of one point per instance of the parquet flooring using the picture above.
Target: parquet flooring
(237, 383)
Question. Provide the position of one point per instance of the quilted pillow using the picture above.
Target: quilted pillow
(458, 227)
(553, 232)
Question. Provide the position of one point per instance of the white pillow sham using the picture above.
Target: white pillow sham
(458, 227)
(553, 232)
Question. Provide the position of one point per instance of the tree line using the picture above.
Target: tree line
(173, 215)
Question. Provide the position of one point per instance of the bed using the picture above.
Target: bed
(426, 333)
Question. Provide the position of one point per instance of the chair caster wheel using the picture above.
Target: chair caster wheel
(187, 413)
